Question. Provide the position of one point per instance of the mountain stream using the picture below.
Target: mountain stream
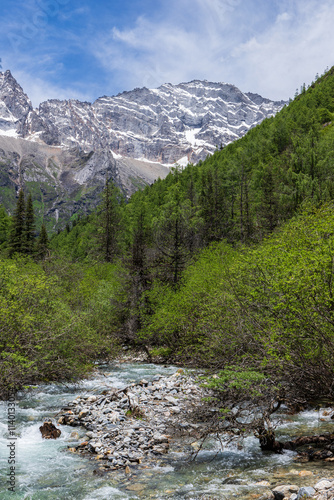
(45, 469)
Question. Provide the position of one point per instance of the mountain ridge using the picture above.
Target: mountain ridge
(133, 138)
(151, 124)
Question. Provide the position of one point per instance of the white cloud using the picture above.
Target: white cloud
(260, 46)
(286, 54)
(268, 51)
(284, 17)
(183, 45)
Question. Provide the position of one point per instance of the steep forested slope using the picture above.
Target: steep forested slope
(192, 272)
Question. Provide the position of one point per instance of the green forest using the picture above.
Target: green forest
(226, 265)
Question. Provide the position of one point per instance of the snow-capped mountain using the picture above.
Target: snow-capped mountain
(62, 151)
(15, 106)
(174, 123)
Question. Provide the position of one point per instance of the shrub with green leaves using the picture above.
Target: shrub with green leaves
(42, 335)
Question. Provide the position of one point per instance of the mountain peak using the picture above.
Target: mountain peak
(172, 124)
(14, 106)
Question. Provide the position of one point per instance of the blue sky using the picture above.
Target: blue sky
(85, 49)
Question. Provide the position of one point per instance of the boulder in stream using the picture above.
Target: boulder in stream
(49, 430)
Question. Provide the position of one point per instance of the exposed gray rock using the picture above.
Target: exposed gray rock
(174, 122)
(324, 484)
(323, 490)
(284, 491)
(127, 433)
(306, 492)
(67, 181)
(15, 106)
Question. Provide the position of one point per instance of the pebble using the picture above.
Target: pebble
(135, 487)
(305, 473)
(281, 492)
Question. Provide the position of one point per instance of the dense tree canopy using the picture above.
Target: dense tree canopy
(225, 263)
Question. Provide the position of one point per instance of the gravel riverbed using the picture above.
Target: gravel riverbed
(144, 422)
(138, 423)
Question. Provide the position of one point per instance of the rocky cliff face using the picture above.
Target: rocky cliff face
(15, 106)
(174, 123)
(65, 181)
(170, 124)
(69, 146)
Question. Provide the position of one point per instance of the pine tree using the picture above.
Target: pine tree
(110, 221)
(213, 205)
(17, 235)
(29, 227)
(42, 243)
(173, 233)
(138, 277)
(268, 209)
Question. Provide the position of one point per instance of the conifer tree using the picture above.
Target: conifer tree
(17, 235)
(42, 243)
(212, 201)
(174, 236)
(29, 227)
(110, 221)
(138, 274)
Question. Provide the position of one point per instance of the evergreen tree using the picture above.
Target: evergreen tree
(17, 235)
(138, 277)
(110, 221)
(29, 227)
(42, 243)
(268, 209)
(213, 204)
(173, 231)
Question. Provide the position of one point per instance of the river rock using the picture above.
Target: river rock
(49, 430)
(161, 449)
(83, 414)
(324, 484)
(306, 492)
(170, 399)
(304, 473)
(135, 487)
(284, 491)
(160, 438)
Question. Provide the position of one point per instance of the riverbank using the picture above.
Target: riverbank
(49, 471)
(150, 422)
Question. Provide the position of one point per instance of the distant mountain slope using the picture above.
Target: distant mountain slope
(62, 150)
(65, 181)
(170, 124)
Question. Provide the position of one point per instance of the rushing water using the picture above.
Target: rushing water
(45, 469)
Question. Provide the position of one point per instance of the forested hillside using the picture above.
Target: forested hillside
(224, 264)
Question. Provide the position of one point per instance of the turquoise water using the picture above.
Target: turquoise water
(45, 469)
